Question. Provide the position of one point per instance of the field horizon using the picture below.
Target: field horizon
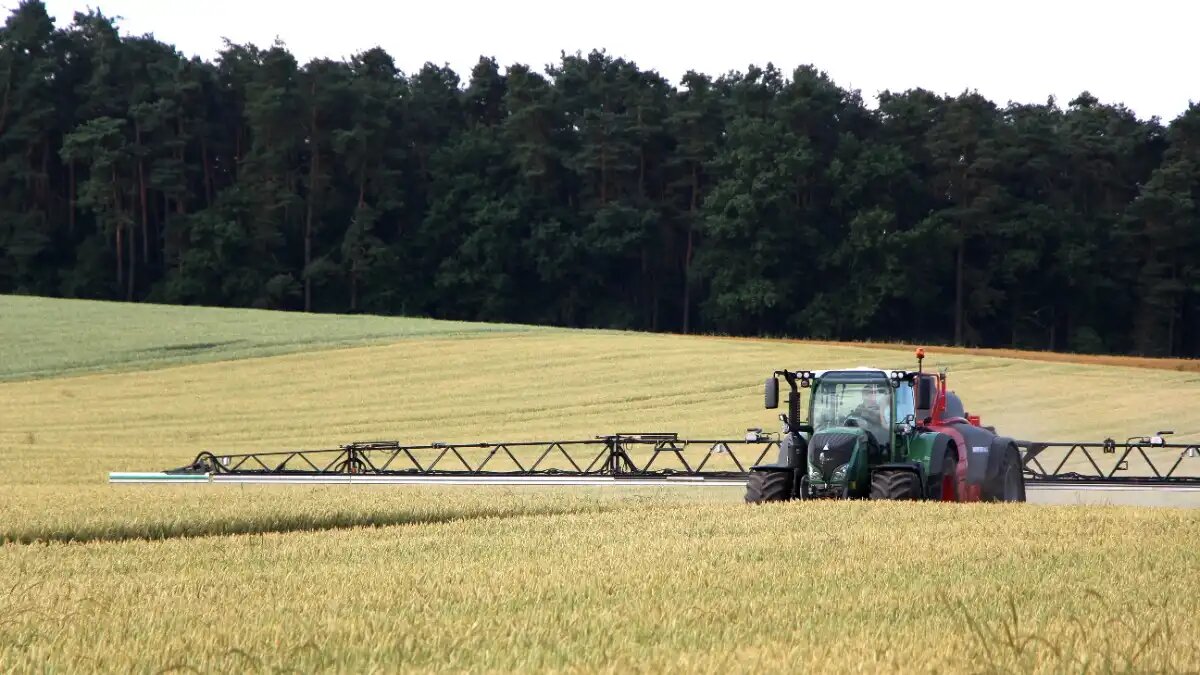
(219, 325)
(156, 578)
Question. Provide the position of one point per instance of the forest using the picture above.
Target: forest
(590, 193)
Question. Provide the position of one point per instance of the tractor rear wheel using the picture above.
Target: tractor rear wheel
(1009, 484)
(944, 487)
(895, 485)
(768, 486)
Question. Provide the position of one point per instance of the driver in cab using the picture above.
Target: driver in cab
(871, 411)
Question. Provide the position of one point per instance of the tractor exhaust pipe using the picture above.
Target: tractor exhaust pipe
(793, 407)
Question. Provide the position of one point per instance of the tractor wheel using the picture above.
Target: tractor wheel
(768, 486)
(1009, 484)
(944, 487)
(895, 485)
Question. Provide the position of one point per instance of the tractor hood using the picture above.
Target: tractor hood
(832, 449)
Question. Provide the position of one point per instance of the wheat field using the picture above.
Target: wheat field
(223, 578)
(41, 337)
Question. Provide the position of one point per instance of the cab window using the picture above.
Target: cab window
(905, 401)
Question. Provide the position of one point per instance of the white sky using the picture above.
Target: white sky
(1143, 54)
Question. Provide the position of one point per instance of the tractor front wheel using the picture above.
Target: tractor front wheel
(768, 486)
(1009, 484)
(895, 485)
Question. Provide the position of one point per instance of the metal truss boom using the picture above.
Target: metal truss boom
(645, 457)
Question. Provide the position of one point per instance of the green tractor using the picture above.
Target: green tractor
(883, 434)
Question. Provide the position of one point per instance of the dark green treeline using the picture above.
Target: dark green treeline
(593, 194)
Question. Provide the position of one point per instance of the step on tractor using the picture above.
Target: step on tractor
(883, 434)
(868, 434)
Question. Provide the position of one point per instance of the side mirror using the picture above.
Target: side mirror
(924, 393)
(772, 393)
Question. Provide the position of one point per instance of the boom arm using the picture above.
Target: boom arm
(640, 459)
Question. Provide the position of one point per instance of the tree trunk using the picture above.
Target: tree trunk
(120, 257)
(1053, 328)
(1062, 327)
(71, 197)
(145, 210)
(1014, 322)
(313, 167)
(603, 174)
(308, 230)
(160, 241)
(1172, 315)
(654, 308)
(130, 277)
(362, 201)
(958, 294)
(208, 181)
(641, 160)
(116, 209)
(643, 293)
(1190, 303)
(44, 180)
(687, 256)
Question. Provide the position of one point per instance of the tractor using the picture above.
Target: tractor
(883, 434)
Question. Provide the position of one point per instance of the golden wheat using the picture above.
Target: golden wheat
(651, 582)
(223, 578)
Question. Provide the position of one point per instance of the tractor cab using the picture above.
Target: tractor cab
(862, 399)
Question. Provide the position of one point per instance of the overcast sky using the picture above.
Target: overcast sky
(1143, 54)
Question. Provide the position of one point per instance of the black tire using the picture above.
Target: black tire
(768, 486)
(938, 483)
(1009, 483)
(895, 485)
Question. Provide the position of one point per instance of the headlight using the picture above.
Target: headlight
(814, 473)
(839, 474)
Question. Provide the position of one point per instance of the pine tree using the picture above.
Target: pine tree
(962, 148)
(100, 146)
(370, 151)
(1168, 215)
(696, 126)
(28, 219)
(269, 179)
